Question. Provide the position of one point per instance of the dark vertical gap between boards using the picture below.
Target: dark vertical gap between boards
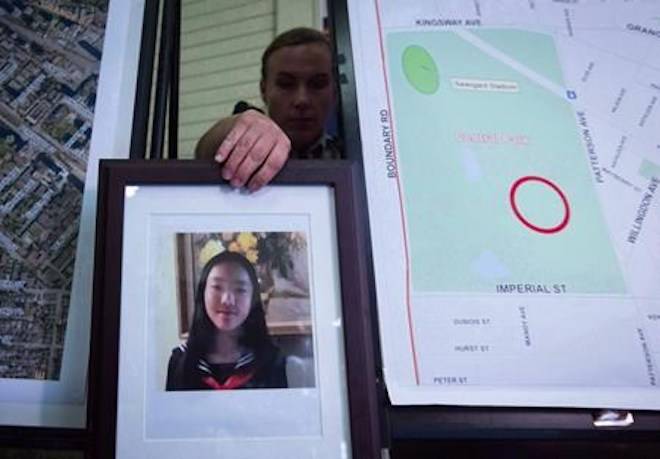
(173, 120)
(163, 78)
(144, 81)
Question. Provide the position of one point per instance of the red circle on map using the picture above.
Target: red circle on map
(527, 223)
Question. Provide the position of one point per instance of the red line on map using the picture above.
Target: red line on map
(527, 223)
(400, 193)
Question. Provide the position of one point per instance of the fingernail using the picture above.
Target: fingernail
(235, 183)
(219, 158)
(226, 174)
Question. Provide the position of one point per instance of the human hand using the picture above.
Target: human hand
(255, 149)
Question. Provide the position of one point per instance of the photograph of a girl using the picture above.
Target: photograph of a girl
(228, 345)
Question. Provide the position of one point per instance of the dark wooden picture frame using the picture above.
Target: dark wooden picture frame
(115, 175)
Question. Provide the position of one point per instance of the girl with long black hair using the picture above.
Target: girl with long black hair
(228, 345)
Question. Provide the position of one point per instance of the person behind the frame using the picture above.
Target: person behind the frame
(228, 345)
(298, 89)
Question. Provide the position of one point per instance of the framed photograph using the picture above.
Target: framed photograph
(231, 323)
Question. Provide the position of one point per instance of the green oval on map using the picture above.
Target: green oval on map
(420, 69)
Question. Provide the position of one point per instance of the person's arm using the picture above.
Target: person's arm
(250, 145)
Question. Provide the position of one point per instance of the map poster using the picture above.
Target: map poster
(512, 161)
(54, 89)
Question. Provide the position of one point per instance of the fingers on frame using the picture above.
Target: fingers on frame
(271, 166)
(241, 149)
(233, 137)
(260, 152)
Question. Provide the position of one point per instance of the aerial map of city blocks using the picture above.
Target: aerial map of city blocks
(50, 53)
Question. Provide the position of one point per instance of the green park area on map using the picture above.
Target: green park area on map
(497, 184)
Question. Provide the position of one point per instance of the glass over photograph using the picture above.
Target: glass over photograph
(243, 307)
